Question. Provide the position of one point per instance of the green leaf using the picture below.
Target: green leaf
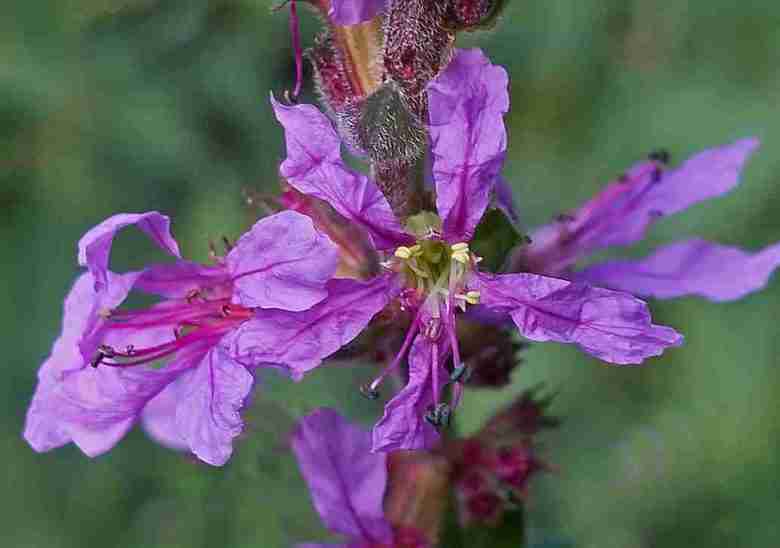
(494, 238)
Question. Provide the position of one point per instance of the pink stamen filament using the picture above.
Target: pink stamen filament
(165, 315)
(410, 335)
(209, 321)
(296, 39)
(435, 366)
(457, 387)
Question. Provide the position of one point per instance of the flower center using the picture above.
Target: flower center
(438, 272)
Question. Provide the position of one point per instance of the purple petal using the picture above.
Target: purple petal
(403, 425)
(314, 166)
(177, 280)
(282, 262)
(347, 482)
(301, 340)
(352, 12)
(620, 214)
(208, 415)
(94, 407)
(159, 415)
(691, 267)
(81, 320)
(610, 325)
(95, 245)
(467, 103)
(114, 292)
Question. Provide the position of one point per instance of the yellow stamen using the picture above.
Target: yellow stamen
(472, 297)
(461, 253)
(403, 252)
(407, 253)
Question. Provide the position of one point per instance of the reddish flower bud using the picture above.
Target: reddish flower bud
(491, 470)
(523, 418)
(417, 46)
(490, 353)
(472, 14)
(514, 465)
(331, 78)
(416, 496)
(473, 482)
(485, 507)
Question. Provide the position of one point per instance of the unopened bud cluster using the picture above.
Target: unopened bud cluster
(492, 469)
(373, 83)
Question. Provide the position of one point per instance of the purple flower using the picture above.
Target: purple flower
(180, 365)
(346, 480)
(429, 265)
(621, 213)
(347, 483)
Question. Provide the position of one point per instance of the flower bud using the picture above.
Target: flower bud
(472, 14)
(331, 78)
(491, 469)
(417, 45)
(417, 492)
(489, 351)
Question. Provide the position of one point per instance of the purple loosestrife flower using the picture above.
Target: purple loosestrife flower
(620, 214)
(429, 266)
(347, 482)
(175, 364)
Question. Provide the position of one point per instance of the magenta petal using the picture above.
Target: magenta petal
(352, 12)
(347, 482)
(691, 267)
(95, 245)
(621, 213)
(301, 340)
(314, 166)
(208, 415)
(403, 425)
(467, 103)
(613, 326)
(282, 262)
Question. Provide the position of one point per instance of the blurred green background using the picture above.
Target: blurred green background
(109, 106)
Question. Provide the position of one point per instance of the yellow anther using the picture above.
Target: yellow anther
(407, 253)
(403, 252)
(472, 297)
(460, 252)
